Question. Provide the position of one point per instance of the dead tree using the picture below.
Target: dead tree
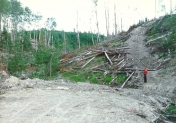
(78, 39)
(97, 24)
(115, 21)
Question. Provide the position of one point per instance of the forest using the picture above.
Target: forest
(32, 51)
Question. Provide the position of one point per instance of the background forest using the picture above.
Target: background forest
(35, 52)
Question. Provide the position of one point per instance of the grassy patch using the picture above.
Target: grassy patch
(107, 79)
(93, 80)
(72, 76)
(121, 78)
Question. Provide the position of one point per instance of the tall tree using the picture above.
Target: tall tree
(78, 39)
(4, 6)
(115, 20)
(97, 24)
(50, 26)
(107, 21)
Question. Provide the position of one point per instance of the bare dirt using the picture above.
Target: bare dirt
(61, 101)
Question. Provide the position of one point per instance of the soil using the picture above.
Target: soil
(62, 101)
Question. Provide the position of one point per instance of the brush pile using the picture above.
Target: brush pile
(112, 62)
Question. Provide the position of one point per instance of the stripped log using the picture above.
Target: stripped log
(108, 58)
(88, 62)
(127, 79)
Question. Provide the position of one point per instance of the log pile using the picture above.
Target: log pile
(108, 61)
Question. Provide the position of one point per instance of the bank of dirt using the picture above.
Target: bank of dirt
(62, 101)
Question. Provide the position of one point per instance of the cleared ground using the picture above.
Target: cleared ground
(74, 105)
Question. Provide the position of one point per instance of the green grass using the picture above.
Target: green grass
(72, 76)
(107, 79)
(121, 78)
(93, 80)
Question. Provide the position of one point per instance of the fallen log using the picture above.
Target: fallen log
(88, 62)
(163, 36)
(127, 79)
(108, 58)
(134, 69)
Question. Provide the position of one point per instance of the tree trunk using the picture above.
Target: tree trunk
(115, 21)
(98, 35)
(78, 39)
(64, 44)
(92, 39)
(45, 39)
(107, 24)
(50, 65)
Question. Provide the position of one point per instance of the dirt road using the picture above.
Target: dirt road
(69, 105)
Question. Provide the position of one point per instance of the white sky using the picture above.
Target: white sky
(65, 12)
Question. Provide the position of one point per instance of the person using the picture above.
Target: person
(145, 72)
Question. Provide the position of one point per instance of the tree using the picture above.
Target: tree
(50, 25)
(97, 24)
(115, 20)
(107, 21)
(4, 6)
(78, 39)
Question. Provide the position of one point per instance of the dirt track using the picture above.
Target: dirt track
(70, 106)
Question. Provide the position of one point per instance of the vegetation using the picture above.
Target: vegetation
(35, 52)
(121, 78)
(164, 26)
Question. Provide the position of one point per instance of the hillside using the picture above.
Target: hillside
(62, 100)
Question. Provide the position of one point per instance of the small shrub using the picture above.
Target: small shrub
(121, 78)
(76, 78)
(107, 79)
(39, 75)
(170, 108)
(93, 80)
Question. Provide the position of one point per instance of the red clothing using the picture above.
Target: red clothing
(145, 71)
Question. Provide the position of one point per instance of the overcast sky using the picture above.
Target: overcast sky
(65, 12)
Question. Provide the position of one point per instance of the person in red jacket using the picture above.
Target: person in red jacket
(145, 72)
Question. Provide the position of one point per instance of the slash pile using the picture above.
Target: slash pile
(108, 61)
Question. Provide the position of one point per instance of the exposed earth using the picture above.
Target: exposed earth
(62, 101)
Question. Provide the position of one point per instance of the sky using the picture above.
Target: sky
(65, 12)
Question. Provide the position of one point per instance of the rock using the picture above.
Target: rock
(10, 82)
(3, 76)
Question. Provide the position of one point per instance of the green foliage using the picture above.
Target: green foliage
(162, 26)
(107, 79)
(26, 43)
(42, 57)
(17, 64)
(47, 62)
(73, 77)
(121, 78)
(169, 109)
(40, 75)
(93, 79)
